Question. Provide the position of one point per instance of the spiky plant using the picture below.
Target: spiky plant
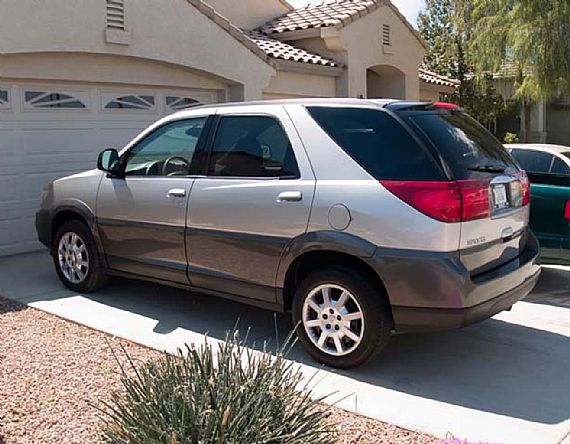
(215, 395)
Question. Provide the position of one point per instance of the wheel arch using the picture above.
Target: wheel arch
(320, 249)
(76, 210)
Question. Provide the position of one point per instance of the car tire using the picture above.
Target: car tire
(76, 258)
(350, 339)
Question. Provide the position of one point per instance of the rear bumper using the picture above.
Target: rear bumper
(418, 319)
(435, 291)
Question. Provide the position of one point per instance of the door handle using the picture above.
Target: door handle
(290, 196)
(176, 192)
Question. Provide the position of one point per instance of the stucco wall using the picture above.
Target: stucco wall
(296, 84)
(170, 31)
(429, 95)
(249, 14)
(363, 41)
(106, 68)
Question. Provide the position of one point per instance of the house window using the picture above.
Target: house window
(50, 99)
(177, 103)
(4, 99)
(116, 14)
(132, 102)
(386, 35)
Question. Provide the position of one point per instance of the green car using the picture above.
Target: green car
(548, 168)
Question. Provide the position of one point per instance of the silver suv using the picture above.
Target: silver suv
(361, 217)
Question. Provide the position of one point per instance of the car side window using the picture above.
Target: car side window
(559, 167)
(168, 151)
(252, 146)
(533, 161)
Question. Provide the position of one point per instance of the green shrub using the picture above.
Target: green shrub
(234, 395)
(511, 138)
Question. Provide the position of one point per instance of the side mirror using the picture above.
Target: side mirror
(108, 161)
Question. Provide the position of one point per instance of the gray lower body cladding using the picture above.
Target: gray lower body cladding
(435, 291)
(43, 227)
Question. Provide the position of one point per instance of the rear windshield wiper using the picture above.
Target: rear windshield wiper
(488, 168)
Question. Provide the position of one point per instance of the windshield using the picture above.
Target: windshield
(465, 145)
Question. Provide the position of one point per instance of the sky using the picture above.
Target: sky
(409, 8)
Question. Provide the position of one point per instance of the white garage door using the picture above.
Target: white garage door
(47, 132)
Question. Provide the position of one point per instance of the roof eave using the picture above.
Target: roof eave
(309, 68)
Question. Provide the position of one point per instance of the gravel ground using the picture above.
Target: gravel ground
(52, 371)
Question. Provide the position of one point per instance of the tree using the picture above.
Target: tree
(445, 26)
(533, 36)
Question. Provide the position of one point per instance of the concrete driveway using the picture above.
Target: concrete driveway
(504, 380)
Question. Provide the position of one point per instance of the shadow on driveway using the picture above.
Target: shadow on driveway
(553, 288)
(495, 366)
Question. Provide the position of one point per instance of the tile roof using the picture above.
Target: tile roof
(327, 13)
(436, 79)
(284, 51)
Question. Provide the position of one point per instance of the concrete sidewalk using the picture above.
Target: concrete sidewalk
(506, 380)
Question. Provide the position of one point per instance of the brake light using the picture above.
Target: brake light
(444, 105)
(525, 188)
(447, 201)
(567, 210)
(475, 199)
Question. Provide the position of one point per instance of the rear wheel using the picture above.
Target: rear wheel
(76, 258)
(342, 318)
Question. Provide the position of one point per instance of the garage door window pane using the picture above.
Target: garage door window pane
(42, 99)
(175, 103)
(168, 151)
(4, 103)
(131, 102)
(252, 146)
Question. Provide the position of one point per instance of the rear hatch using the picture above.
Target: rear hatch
(493, 189)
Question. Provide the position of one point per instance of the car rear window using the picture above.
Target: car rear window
(377, 142)
(462, 141)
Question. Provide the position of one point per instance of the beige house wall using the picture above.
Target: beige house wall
(296, 84)
(169, 31)
(363, 40)
(103, 68)
(249, 14)
(429, 95)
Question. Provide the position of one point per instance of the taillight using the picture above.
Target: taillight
(567, 210)
(525, 188)
(475, 199)
(447, 201)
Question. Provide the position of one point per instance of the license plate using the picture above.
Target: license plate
(500, 197)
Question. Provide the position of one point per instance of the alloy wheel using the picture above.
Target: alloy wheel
(73, 257)
(333, 319)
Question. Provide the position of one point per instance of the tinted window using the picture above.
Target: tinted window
(533, 161)
(377, 142)
(462, 141)
(252, 146)
(559, 167)
(168, 151)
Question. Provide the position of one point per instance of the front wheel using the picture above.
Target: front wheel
(342, 318)
(76, 258)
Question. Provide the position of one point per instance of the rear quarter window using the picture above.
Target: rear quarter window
(377, 142)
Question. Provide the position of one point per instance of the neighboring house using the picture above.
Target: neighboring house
(78, 76)
(549, 121)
